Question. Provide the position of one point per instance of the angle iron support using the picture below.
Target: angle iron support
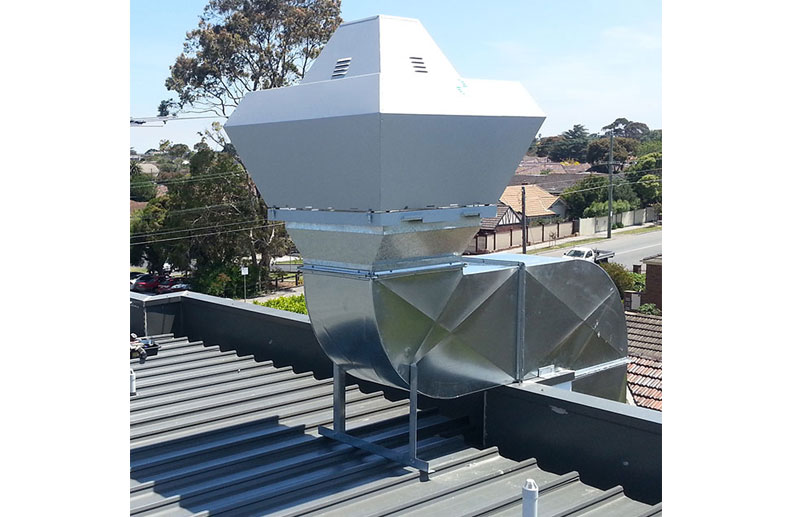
(413, 411)
(520, 323)
(338, 432)
(338, 399)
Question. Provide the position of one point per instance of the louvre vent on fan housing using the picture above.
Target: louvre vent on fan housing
(341, 67)
(418, 65)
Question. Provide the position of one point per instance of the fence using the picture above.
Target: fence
(592, 225)
(510, 236)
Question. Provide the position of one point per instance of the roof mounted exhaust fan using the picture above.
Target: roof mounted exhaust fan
(382, 162)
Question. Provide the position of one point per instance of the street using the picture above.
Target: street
(629, 249)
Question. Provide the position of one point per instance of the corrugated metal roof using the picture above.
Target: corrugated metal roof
(215, 433)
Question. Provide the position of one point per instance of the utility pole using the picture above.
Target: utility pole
(524, 223)
(609, 207)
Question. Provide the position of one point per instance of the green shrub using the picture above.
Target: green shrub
(142, 187)
(620, 276)
(600, 208)
(639, 281)
(224, 280)
(287, 303)
(650, 308)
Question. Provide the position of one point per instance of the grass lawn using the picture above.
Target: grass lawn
(642, 230)
(293, 261)
(567, 245)
(583, 242)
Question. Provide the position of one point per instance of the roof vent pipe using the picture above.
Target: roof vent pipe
(382, 177)
(530, 499)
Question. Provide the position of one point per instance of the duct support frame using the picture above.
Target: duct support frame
(338, 431)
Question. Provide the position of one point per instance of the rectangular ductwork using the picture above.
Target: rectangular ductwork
(382, 162)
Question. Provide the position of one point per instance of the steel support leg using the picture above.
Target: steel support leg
(338, 399)
(413, 411)
(338, 432)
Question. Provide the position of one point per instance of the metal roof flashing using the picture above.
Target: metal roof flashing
(617, 409)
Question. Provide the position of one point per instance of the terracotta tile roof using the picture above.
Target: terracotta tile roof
(554, 183)
(534, 165)
(644, 378)
(134, 206)
(537, 200)
(644, 373)
(645, 335)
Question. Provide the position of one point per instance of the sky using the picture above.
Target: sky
(583, 61)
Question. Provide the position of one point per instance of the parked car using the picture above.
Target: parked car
(590, 254)
(171, 285)
(134, 276)
(147, 282)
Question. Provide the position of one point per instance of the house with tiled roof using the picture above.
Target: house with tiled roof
(539, 204)
(504, 231)
(644, 373)
(505, 216)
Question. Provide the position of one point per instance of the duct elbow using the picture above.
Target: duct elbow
(469, 325)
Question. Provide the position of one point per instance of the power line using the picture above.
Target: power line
(142, 121)
(196, 209)
(205, 234)
(185, 210)
(573, 180)
(162, 232)
(607, 186)
(207, 177)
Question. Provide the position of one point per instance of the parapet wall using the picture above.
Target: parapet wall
(607, 442)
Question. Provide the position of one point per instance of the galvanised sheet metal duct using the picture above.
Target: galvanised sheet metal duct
(382, 162)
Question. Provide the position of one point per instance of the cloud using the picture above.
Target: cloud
(631, 38)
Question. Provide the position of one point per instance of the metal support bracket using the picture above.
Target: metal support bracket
(338, 431)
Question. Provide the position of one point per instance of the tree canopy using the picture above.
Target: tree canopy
(622, 150)
(212, 219)
(649, 188)
(594, 189)
(242, 46)
(141, 185)
(649, 162)
(628, 129)
(179, 150)
(580, 196)
(572, 145)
